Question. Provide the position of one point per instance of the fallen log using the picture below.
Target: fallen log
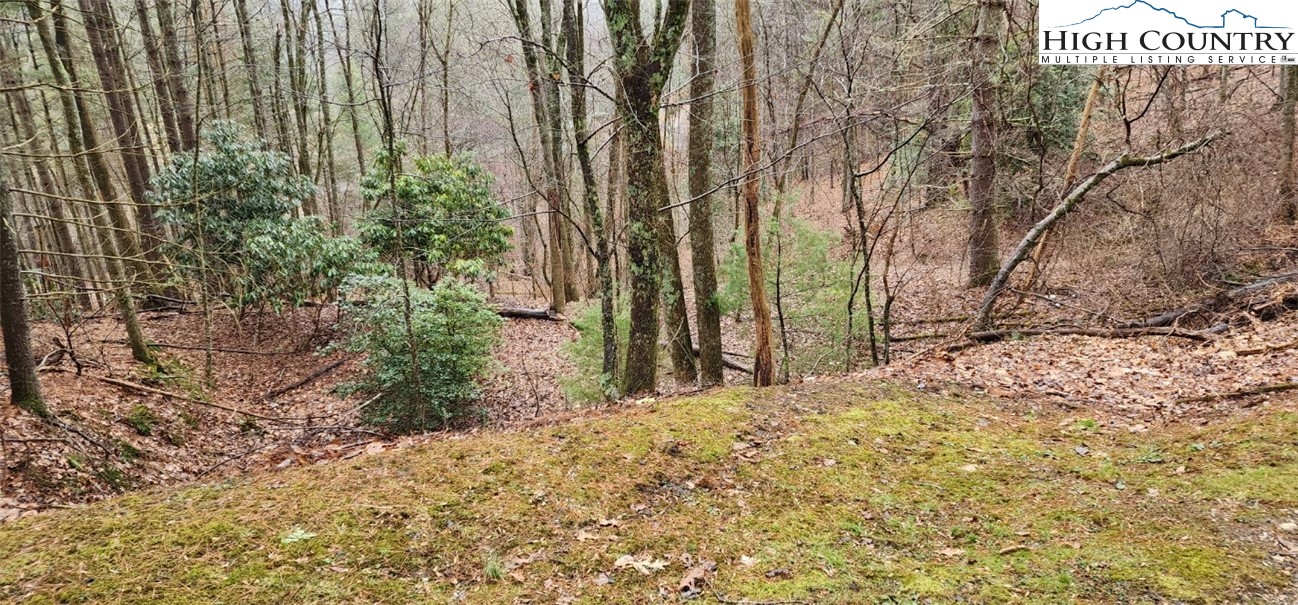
(525, 313)
(1262, 390)
(998, 335)
(727, 363)
(1212, 303)
(164, 345)
(306, 380)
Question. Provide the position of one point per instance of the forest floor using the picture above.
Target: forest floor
(832, 491)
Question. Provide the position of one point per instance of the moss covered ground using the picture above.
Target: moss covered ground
(831, 493)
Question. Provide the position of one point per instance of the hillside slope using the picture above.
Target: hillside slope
(822, 493)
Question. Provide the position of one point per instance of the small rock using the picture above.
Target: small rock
(1289, 528)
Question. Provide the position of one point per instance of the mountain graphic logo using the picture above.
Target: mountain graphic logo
(1224, 16)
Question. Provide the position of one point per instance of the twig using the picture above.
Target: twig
(1265, 350)
(303, 382)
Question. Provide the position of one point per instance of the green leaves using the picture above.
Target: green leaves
(424, 359)
(444, 217)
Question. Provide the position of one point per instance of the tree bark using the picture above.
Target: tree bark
(101, 33)
(763, 358)
(250, 66)
(643, 68)
(24, 386)
(551, 189)
(1288, 188)
(176, 75)
(707, 307)
(157, 69)
(84, 141)
(983, 234)
(574, 26)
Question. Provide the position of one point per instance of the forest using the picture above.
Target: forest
(610, 301)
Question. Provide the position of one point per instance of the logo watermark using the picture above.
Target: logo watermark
(1168, 32)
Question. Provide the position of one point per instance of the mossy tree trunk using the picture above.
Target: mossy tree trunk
(707, 308)
(643, 66)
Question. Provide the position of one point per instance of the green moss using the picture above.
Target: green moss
(843, 494)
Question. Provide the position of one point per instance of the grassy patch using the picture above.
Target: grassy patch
(825, 494)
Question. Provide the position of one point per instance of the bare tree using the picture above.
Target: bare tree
(763, 358)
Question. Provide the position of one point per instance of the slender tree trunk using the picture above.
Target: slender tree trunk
(250, 66)
(153, 52)
(115, 234)
(327, 128)
(1070, 171)
(707, 307)
(175, 74)
(345, 57)
(558, 138)
(984, 242)
(574, 30)
(763, 359)
(281, 113)
(100, 31)
(551, 188)
(61, 227)
(1288, 188)
(295, 27)
(24, 386)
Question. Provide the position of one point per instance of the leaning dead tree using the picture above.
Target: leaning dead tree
(983, 320)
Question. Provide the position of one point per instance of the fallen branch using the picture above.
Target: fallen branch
(727, 363)
(524, 313)
(125, 384)
(1212, 303)
(163, 345)
(998, 335)
(983, 319)
(304, 381)
(1262, 390)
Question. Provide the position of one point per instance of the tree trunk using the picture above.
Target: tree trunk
(574, 25)
(84, 141)
(707, 307)
(763, 358)
(558, 139)
(24, 386)
(1288, 188)
(175, 75)
(330, 170)
(983, 320)
(100, 31)
(345, 57)
(551, 189)
(153, 52)
(250, 66)
(643, 68)
(983, 237)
